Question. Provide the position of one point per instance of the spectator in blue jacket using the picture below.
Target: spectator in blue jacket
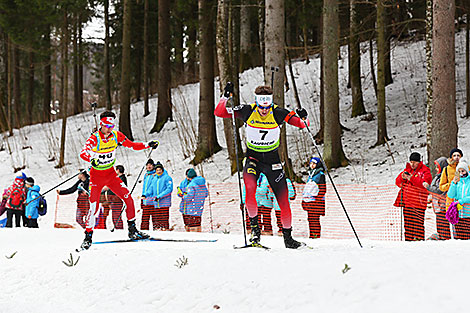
(459, 190)
(292, 194)
(162, 186)
(31, 210)
(193, 193)
(148, 209)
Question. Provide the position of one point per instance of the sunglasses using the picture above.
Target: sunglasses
(262, 107)
(108, 126)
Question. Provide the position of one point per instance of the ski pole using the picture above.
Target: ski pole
(93, 106)
(42, 195)
(238, 169)
(332, 182)
(133, 187)
(273, 69)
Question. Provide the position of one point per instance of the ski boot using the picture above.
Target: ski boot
(255, 230)
(134, 234)
(86, 244)
(290, 242)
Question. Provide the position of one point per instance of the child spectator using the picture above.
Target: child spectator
(193, 193)
(162, 186)
(413, 195)
(460, 191)
(448, 172)
(148, 209)
(16, 195)
(438, 199)
(313, 197)
(83, 204)
(32, 203)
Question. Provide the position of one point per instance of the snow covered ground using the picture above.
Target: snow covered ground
(141, 277)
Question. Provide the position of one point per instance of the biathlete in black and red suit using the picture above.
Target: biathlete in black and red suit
(263, 120)
(100, 151)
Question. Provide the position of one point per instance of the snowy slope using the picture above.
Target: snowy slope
(142, 277)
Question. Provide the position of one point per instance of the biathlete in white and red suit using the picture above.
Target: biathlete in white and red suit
(100, 151)
(263, 120)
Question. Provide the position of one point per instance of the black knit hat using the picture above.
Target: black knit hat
(29, 181)
(456, 150)
(159, 165)
(415, 156)
(150, 161)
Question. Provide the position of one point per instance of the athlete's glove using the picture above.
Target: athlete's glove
(302, 113)
(228, 89)
(153, 144)
(95, 163)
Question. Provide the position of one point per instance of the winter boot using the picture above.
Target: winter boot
(255, 230)
(290, 242)
(86, 244)
(134, 234)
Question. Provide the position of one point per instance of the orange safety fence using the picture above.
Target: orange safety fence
(371, 209)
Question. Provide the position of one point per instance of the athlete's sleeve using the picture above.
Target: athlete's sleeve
(86, 152)
(297, 121)
(241, 111)
(122, 139)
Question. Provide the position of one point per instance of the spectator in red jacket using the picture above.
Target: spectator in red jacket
(16, 196)
(412, 197)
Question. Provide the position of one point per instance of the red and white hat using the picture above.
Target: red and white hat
(107, 122)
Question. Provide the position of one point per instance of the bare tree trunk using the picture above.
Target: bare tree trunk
(146, 59)
(225, 74)
(76, 97)
(191, 74)
(46, 104)
(207, 137)
(107, 76)
(16, 86)
(333, 148)
(429, 78)
(261, 22)
(387, 36)
(355, 63)
(467, 63)
(30, 99)
(164, 112)
(245, 36)
(9, 91)
(80, 65)
(64, 91)
(381, 51)
(125, 115)
(372, 67)
(178, 39)
(138, 71)
(444, 120)
(304, 35)
(274, 40)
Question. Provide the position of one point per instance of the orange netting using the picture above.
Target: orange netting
(371, 209)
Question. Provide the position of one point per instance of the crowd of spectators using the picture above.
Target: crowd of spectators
(448, 192)
(22, 202)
